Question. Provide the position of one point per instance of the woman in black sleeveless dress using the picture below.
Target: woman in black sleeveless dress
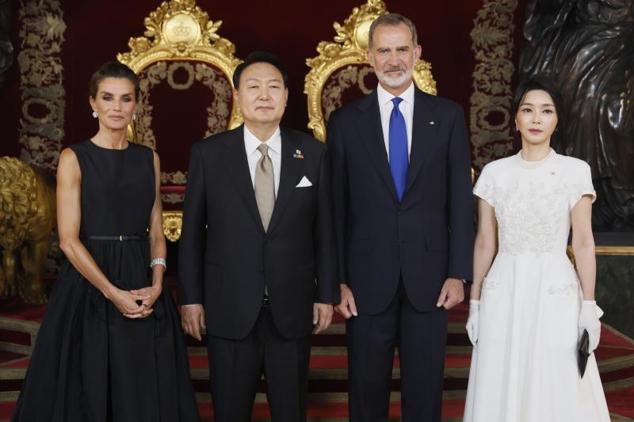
(110, 347)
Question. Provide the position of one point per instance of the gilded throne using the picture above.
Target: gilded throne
(185, 68)
(341, 72)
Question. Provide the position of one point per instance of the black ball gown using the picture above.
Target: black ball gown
(90, 363)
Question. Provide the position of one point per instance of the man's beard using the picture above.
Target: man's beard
(395, 82)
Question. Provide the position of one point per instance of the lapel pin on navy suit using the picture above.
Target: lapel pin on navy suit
(298, 154)
(431, 122)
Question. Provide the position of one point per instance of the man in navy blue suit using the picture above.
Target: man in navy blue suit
(403, 218)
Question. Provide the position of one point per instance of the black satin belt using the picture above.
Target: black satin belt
(120, 238)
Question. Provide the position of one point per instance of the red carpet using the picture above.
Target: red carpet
(328, 374)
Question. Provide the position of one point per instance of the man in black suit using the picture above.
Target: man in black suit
(403, 222)
(257, 261)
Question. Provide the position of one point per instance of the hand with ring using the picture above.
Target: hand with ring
(150, 296)
(128, 303)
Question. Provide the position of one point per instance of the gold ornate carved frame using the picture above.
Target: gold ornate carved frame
(349, 48)
(178, 30)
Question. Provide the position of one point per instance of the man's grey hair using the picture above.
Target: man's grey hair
(393, 19)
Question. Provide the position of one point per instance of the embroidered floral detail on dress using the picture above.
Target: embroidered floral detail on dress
(491, 283)
(530, 216)
(562, 289)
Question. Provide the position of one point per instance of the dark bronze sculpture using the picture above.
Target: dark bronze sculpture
(587, 48)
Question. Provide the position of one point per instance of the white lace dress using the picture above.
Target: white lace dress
(524, 368)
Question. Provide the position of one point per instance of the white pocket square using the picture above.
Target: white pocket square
(304, 183)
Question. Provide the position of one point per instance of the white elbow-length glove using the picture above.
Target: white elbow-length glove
(589, 320)
(472, 321)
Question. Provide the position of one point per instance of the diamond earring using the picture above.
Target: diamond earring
(94, 114)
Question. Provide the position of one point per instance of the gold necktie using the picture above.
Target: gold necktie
(265, 186)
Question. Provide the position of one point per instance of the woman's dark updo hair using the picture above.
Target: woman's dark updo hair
(113, 69)
(543, 84)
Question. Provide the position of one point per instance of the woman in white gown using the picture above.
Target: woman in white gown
(529, 306)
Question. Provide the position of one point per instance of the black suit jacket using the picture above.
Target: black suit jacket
(426, 238)
(226, 257)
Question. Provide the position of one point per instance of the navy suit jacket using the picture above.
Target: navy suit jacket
(425, 238)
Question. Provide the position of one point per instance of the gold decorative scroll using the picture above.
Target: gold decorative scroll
(172, 225)
(178, 34)
(178, 30)
(350, 48)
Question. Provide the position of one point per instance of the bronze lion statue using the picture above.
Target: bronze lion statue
(27, 219)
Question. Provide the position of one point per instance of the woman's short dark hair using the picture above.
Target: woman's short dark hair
(542, 84)
(113, 69)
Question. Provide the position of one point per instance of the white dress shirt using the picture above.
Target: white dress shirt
(251, 144)
(407, 110)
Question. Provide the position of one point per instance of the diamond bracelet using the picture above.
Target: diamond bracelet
(158, 261)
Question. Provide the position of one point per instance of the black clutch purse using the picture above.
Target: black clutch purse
(583, 352)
